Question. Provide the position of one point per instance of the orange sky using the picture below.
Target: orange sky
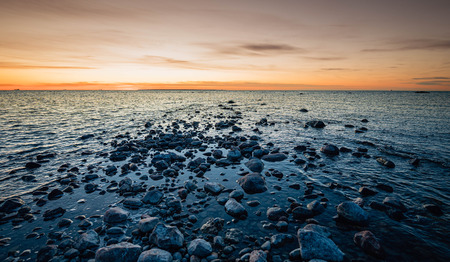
(204, 44)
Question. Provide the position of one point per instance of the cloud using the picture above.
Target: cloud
(269, 47)
(252, 49)
(433, 81)
(414, 44)
(324, 58)
(432, 78)
(7, 65)
(337, 69)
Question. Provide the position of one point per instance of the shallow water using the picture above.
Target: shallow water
(401, 125)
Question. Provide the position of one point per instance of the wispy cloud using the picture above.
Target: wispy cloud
(253, 49)
(7, 65)
(324, 58)
(433, 81)
(413, 44)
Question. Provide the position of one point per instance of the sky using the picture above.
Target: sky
(233, 44)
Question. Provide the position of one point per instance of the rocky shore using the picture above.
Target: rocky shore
(208, 191)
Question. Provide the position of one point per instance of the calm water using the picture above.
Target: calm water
(402, 125)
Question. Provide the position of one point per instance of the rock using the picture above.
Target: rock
(318, 229)
(280, 240)
(315, 246)
(55, 194)
(253, 203)
(234, 155)
(302, 213)
(200, 248)
(115, 231)
(155, 255)
(255, 165)
(234, 209)
(252, 183)
(161, 165)
(275, 213)
(110, 170)
(124, 252)
(330, 150)
(115, 215)
(385, 187)
(236, 194)
(88, 240)
(46, 253)
(53, 213)
(167, 237)
(64, 222)
(212, 226)
(351, 212)
(304, 110)
(213, 188)
(282, 226)
(32, 165)
(258, 256)
(276, 157)
(90, 187)
(132, 203)
(153, 197)
(217, 154)
(365, 191)
(148, 224)
(395, 203)
(71, 253)
(385, 162)
(315, 124)
(12, 204)
(316, 207)
(414, 161)
(434, 209)
(367, 241)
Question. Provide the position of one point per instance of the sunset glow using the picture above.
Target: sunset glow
(199, 44)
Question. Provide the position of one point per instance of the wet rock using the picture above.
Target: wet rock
(115, 215)
(255, 165)
(316, 207)
(385, 187)
(318, 229)
(110, 170)
(275, 157)
(302, 213)
(387, 163)
(280, 240)
(132, 203)
(213, 188)
(315, 124)
(234, 155)
(217, 154)
(253, 183)
(351, 212)
(394, 203)
(124, 252)
(365, 191)
(315, 246)
(367, 241)
(148, 224)
(330, 150)
(304, 110)
(414, 162)
(253, 203)
(235, 209)
(88, 240)
(32, 165)
(275, 213)
(153, 197)
(90, 187)
(12, 204)
(46, 253)
(55, 194)
(64, 222)
(434, 209)
(161, 165)
(53, 213)
(258, 256)
(71, 253)
(236, 194)
(212, 226)
(155, 255)
(200, 248)
(115, 231)
(167, 237)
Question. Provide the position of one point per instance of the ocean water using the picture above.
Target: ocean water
(401, 126)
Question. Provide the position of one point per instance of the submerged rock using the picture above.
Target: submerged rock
(316, 246)
(252, 183)
(124, 252)
(12, 204)
(46, 253)
(367, 241)
(351, 212)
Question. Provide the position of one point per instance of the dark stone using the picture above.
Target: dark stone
(212, 226)
(385, 162)
(200, 248)
(316, 246)
(351, 212)
(258, 256)
(32, 165)
(55, 194)
(275, 157)
(124, 252)
(275, 213)
(12, 204)
(252, 183)
(434, 209)
(167, 237)
(46, 253)
(365, 191)
(367, 241)
(301, 213)
(153, 197)
(155, 255)
(330, 150)
(385, 187)
(115, 215)
(235, 209)
(53, 213)
(255, 165)
(315, 124)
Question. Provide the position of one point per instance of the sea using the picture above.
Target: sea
(78, 126)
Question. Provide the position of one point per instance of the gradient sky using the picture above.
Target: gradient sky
(245, 44)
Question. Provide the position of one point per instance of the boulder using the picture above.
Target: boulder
(351, 212)
(255, 165)
(167, 237)
(252, 183)
(124, 252)
(115, 215)
(155, 255)
(367, 241)
(316, 246)
(275, 157)
(200, 248)
(235, 209)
